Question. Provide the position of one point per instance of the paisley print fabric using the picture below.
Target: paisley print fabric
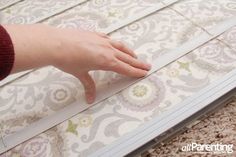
(34, 11)
(51, 89)
(7, 3)
(229, 38)
(206, 13)
(47, 90)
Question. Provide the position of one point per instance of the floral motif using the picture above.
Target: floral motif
(184, 65)
(12, 125)
(140, 90)
(99, 3)
(133, 26)
(23, 12)
(144, 95)
(37, 147)
(173, 72)
(229, 37)
(72, 127)
(114, 13)
(60, 95)
(82, 20)
(206, 13)
(85, 121)
(214, 56)
(46, 144)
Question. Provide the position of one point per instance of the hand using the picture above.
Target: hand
(74, 51)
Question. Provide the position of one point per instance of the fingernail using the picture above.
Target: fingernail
(90, 99)
(149, 66)
(145, 73)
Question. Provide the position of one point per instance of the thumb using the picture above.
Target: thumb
(89, 86)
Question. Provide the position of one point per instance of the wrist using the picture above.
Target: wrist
(32, 46)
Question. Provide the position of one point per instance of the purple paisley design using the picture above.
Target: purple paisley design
(144, 95)
(37, 147)
(49, 143)
(214, 56)
(229, 37)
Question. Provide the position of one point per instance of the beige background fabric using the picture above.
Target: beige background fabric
(47, 90)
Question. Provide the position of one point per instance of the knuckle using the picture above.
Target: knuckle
(120, 44)
(112, 64)
(130, 71)
(106, 60)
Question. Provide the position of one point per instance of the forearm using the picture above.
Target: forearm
(32, 46)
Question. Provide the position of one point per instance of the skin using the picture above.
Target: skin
(73, 51)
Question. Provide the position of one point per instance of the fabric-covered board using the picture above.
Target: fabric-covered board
(46, 91)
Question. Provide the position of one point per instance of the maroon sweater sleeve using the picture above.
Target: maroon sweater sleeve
(7, 55)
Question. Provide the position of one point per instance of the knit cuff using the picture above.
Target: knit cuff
(7, 55)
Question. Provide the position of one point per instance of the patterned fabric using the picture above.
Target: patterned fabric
(47, 90)
(6, 3)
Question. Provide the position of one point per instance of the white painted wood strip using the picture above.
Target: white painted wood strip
(34, 4)
(77, 107)
(7, 4)
(13, 77)
(138, 16)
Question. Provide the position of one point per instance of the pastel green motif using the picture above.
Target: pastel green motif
(140, 90)
(72, 128)
(112, 14)
(8, 11)
(183, 65)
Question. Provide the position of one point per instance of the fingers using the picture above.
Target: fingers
(128, 70)
(125, 64)
(103, 35)
(122, 47)
(89, 87)
(133, 61)
(118, 45)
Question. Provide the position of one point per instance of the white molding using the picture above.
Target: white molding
(12, 2)
(13, 77)
(138, 16)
